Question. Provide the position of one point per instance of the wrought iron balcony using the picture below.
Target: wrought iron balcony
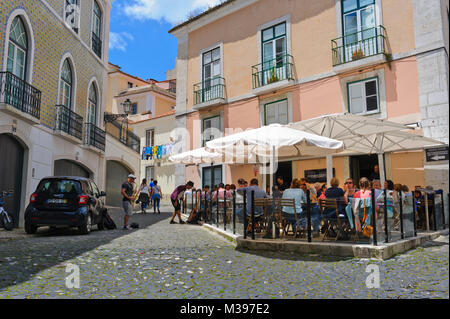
(94, 136)
(120, 132)
(359, 45)
(96, 45)
(209, 90)
(19, 94)
(272, 71)
(69, 122)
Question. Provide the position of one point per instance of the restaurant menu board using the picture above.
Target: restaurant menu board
(317, 175)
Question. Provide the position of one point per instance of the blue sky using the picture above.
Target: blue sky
(139, 38)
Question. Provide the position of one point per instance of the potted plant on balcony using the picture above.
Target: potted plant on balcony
(273, 76)
(357, 54)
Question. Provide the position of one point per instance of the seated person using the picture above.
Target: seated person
(334, 192)
(362, 204)
(315, 209)
(293, 193)
(259, 193)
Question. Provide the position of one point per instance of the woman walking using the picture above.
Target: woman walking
(144, 195)
(156, 196)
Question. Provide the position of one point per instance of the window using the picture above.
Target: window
(96, 30)
(276, 112)
(150, 138)
(149, 173)
(273, 45)
(92, 105)
(17, 49)
(357, 16)
(65, 93)
(130, 85)
(134, 108)
(363, 96)
(72, 14)
(212, 176)
(211, 129)
(211, 68)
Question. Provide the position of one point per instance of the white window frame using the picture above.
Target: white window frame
(286, 19)
(153, 137)
(68, 56)
(263, 103)
(102, 18)
(215, 46)
(30, 38)
(220, 117)
(340, 22)
(382, 101)
(200, 173)
(364, 96)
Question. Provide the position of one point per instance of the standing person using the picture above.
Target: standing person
(144, 195)
(128, 198)
(376, 185)
(156, 196)
(375, 174)
(176, 196)
(151, 184)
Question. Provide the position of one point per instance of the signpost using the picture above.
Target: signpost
(437, 154)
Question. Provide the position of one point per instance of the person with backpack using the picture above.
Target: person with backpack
(128, 198)
(156, 196)
(175, 198)
(144, 195)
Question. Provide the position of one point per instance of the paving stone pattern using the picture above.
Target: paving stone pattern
(185, 261)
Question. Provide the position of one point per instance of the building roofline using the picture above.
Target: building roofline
(154, 118)
(147, 88)
(197, 17)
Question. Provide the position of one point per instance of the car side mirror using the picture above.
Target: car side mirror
(102, 194)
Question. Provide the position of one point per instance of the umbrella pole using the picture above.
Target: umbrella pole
(329, 169)
(381, 167)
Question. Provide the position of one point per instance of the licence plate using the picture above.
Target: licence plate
(57, 201)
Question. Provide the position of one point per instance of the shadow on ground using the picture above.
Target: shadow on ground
(294, 256)
(22, 259)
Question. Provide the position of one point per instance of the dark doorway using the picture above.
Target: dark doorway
(362, 166)
(116, 175)
(284, 170)
(11, 168)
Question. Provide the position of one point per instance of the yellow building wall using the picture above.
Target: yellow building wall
(408, 168)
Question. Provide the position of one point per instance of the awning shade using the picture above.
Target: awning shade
(196, 156)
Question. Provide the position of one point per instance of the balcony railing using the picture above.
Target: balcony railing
(209, 90)
(94, 136)
(19, 94)
(69, 122)
(117, 130)
(96, 45)
(359, 45)
(272, 71)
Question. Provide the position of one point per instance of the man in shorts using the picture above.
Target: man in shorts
(127, 193)
(178, 194)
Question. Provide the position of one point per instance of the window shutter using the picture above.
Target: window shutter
(356, 98)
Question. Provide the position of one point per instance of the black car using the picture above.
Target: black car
(65, 201)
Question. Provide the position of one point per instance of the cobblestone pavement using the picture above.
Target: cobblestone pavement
(184, 261)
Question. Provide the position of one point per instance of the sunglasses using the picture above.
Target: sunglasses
(348, 183)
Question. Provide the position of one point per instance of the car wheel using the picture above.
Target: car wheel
(30, 229)
(86, 227)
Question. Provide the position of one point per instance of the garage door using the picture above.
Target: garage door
(116, 174)
(69, 168)
(11, 168)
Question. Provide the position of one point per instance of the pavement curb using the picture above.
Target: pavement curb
(382, 252)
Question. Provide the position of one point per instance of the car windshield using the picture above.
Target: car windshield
(60, 186)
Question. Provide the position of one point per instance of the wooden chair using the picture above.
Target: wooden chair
(260, 221)
(279, 204)
(331, 203)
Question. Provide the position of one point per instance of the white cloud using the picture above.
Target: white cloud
(172, 11)
(119, 41)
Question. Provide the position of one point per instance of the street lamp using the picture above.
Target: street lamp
(127, 109)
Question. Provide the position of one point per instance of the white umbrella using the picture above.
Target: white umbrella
(275, 141)
(196, 156)
(362, 134)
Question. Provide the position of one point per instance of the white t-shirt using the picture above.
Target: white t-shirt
(145, 189)
(156, 190)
